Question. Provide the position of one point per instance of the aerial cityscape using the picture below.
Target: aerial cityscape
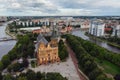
(59, 40)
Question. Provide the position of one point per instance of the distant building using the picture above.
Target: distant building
(3, 19)
(85, 24)
(37, 31)
(30, 29)
(97, 28)
(67, 29)
(42, 30)
(116, 30)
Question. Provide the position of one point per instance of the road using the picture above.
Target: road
(82, 76)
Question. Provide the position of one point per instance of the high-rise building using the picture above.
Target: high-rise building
(116, 30)
(97, 28)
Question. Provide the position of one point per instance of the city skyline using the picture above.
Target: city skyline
(59, 8)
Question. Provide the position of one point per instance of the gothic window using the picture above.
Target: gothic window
(49, 55)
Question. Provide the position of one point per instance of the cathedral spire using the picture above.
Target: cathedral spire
(54, 31)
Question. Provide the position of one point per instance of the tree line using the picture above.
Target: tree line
(99, 52)
(24, 48)
(31, 75)
(114, 40)
(62, 50)
(86, 61)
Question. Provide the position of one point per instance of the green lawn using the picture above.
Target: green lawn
(109, 67)
(33, 64)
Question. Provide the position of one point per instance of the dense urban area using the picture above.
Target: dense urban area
(60, 48)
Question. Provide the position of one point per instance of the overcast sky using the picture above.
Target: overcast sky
(59, 7)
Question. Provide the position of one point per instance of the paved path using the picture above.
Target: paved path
(66, 69)
(82, 76)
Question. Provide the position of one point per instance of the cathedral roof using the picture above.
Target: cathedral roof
(40, 38)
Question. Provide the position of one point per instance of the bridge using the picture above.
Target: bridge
(7, 39)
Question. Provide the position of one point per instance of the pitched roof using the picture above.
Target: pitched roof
(40, 38)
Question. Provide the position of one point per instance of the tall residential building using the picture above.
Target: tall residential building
(97, 28)
(116, 30)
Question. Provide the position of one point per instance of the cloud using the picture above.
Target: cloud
(75, 12)
(107, 3)
(15, 5)
(59, 7)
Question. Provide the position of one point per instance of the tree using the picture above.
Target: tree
(12, 54)
(85, 57)
(39, 76)
(5, 60)
(8, 77)
(55, 76)
(22, 78)
(102, 77)
(62, 50)
(1, 66)
(14, 67)
(1, 77)
(22, 75)
(25, 63)
(31, 75)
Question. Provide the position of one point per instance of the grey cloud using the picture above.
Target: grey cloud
(58, 6)
(33, 6)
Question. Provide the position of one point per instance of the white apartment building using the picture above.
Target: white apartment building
(116, 30)
(85, 24)
(97, 29)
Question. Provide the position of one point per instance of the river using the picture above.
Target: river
(5, 46)
(100, 43)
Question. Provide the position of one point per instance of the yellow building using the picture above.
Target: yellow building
(47, 52)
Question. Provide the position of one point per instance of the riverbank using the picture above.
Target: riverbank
(107, 60)
(7, 31)
(109, 43)
(5, 46)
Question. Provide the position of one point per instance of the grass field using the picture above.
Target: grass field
(109, 67)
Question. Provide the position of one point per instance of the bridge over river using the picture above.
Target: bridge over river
(6, 42)
(6, 39)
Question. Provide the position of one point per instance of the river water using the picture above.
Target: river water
(5, 46)
(100, 43)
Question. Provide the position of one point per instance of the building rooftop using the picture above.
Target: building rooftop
(40, 38)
